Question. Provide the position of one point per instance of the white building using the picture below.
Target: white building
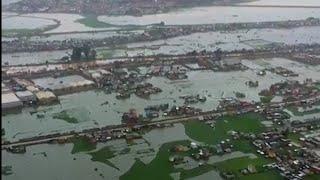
(25, 96)
(10, 100)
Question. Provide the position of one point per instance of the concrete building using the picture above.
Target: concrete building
(46, 97)
(64, 85)
(26, 96)
(4, 89)
(9, 101)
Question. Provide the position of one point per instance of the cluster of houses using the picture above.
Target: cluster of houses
(292, 90)
(17, 92)
(283, 71)
(231, 104)
(172, 72)
(293, 162)
(192, 99)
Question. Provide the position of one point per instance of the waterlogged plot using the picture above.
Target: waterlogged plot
(75, 115)
(202, 132)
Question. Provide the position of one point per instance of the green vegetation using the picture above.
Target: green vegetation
(82, 144)
(159, 168)
(248, 123)
(296, 112)
(312, 177)
(294, 137)
(266, 99)
(90, 20)
(196, 171)
(237, 164)
(317, 85)
(63, 115)
(243, 146)
(6, 170)
(125, 151)
(267, 175)
(105, 54)
(102, 155)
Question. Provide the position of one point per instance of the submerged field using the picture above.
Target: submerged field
(249, 123)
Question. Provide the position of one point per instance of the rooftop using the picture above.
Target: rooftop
(45, 95)
(62, 82)
(9, 98)
(24, 93)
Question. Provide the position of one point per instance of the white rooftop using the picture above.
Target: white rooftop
(62, 82)
(9, 98)
(24, 93)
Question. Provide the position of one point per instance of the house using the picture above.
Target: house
(26, 96)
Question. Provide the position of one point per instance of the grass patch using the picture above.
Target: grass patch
(317, 85)
(294, 137)
(103, 155)
(272, 174)
(63, 115)
(266, 99)
(159, 168)
(82, 144)
(312, 177)
(105, 54)
(248, 123)
(125, 151)
(91, 20)
(237, 164)
(296, 112)
(185, 174)
(243, 146)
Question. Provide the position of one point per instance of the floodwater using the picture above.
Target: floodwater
(227, 40)
(216, 14)
(285, 2)
(93, 35)
(68, 22)
(59, 163)
(6, 2)
(34, 58)
(19, 22)
(199, 82)
(198, 15)
(182, 44)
